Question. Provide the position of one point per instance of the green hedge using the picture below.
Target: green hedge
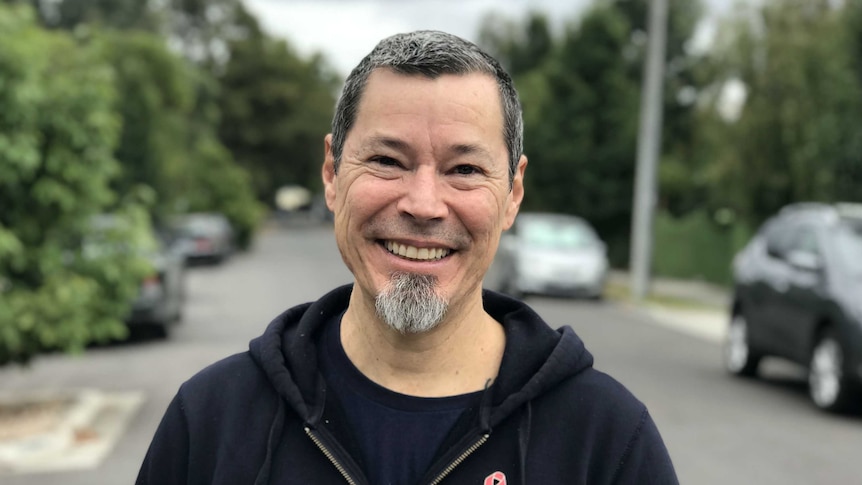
(697, 247)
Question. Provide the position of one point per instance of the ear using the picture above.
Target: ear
(516, 195)
(328, 173)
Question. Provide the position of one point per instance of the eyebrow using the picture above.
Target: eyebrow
(388, 142)
(469, 149)
(402, 146)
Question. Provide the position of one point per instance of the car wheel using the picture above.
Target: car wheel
(739, 358)
(828, 387)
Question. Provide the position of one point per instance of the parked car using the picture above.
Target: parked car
(798, 296)
(550, 254)
(203, 237)
(161, 296)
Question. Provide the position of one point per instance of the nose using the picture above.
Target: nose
(422, 198)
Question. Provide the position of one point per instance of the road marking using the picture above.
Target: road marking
(81, 430)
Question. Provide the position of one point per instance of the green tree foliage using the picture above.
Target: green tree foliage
(158, 95)
(275, 107)
(168, 140)
(797, 137)
(274, 104)
(684, 162)
(121, 14)
(581, 97)
(520, 48)
(585, 143)
(58, 131)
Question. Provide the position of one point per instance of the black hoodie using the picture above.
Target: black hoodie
(263, 416)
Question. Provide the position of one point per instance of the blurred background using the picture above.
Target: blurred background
(160, 203)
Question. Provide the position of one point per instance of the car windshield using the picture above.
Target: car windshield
(557, 234)
(849, 244)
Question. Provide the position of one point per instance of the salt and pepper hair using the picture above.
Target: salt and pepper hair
(430, 54)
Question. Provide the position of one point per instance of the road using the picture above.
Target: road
(718, 429)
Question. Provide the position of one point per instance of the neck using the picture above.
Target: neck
(458, 356)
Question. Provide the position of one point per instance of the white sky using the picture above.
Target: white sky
(346, 30)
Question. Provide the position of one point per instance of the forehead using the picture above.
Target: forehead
(465, 98)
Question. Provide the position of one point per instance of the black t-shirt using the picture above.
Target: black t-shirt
(398, 435)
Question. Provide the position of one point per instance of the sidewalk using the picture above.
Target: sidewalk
(697, 308)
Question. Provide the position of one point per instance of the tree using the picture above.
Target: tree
(520, 48)
(275, 108)
(168, 140)
(797, 138)
(58, 131)
(272, 105)
(580, 93)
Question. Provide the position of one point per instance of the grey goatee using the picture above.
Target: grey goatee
(410, 304)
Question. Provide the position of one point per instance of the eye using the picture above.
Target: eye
(467, 170)
(385, 161)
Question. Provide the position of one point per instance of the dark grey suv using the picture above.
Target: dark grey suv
(798, 295)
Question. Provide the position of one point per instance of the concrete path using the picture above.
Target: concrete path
(696, 308)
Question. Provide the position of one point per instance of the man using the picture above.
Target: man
(413, 375)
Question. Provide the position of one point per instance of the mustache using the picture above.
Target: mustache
(437, 231)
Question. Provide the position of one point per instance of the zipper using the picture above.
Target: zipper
(330, 456)
(469, 451)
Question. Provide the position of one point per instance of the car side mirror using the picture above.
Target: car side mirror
(805, 261)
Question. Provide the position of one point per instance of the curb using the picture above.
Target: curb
(710, 325)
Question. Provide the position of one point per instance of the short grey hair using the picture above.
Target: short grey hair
(431, 54)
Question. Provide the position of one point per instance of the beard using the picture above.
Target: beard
(409, 303)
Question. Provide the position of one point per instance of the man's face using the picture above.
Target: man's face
(423, 184)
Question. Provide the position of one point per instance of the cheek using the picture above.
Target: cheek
(483, 217)
(360, 202)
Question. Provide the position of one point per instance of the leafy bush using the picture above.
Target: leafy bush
(58, 132)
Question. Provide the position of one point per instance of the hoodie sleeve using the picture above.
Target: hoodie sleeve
(166, 462)
(646, 460)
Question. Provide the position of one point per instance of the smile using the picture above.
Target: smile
(419, 254)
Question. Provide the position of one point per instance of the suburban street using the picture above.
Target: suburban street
(719, 430)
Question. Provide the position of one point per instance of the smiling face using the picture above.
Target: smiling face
(423, 184)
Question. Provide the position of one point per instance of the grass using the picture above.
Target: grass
(618, 291)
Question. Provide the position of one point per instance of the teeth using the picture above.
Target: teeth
(422, 254)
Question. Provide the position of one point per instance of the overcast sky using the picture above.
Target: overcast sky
(346, 30)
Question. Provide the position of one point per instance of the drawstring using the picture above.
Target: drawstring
(277, 427)
(485, 408)
(274, 438)
(524, 439)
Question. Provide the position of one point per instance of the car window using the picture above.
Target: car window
(804, 239)
(779, 238)
(553, 234)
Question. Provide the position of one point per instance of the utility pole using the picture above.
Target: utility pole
(649, 147)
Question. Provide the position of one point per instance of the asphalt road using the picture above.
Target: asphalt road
(718, 429)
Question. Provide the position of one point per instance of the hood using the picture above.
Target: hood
(288, 355)
(536, 358)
